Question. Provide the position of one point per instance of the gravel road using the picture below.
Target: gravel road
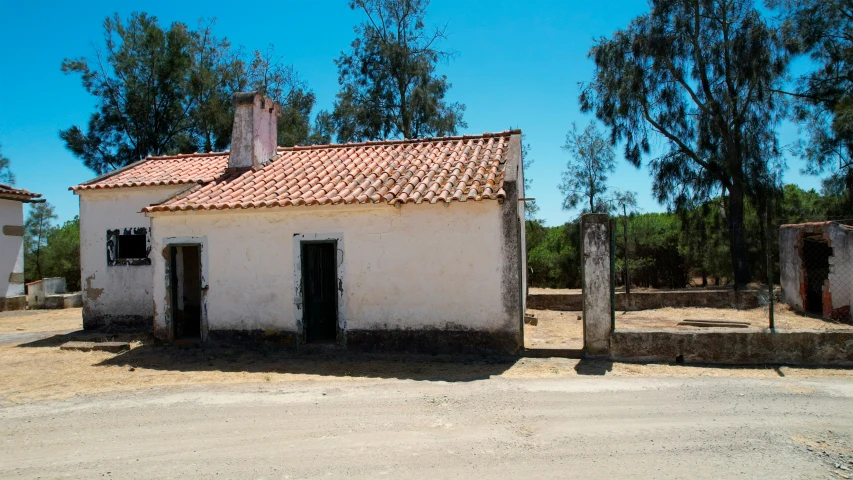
(590, 427)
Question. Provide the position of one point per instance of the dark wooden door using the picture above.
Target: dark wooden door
(319, 279)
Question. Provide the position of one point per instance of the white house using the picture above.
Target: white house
(399, 244)
(12, 245)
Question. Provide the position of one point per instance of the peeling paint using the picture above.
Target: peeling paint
(112, 247)
(92, 293)
(116, 296)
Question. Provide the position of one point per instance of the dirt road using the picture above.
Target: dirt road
(594, 427)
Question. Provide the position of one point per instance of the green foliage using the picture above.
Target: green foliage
(823, 30)
(654, 255)
(50, 250)
(675, 250)
(37, 228)
(530, 208)
(591, 159)
(389, 87)
(553, 255)
(61, 256)
(165, 91)
(700, 75)
(6, 175)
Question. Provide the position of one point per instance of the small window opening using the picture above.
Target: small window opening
(131, 247)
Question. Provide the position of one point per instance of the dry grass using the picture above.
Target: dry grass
(29, 321)
(785, 318)
(38, 370)
(45, 372)
(554, 330)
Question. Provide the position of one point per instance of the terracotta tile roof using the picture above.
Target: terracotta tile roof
(169, 170)
(9, 192)
(840, 223)
(430, 170)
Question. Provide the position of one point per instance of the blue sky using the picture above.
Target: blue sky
(518, 64)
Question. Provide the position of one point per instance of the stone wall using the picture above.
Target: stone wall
(723, 298)
(749, 347)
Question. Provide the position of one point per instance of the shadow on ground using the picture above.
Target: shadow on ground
(593, 367)
(448, 368)
(51, 339)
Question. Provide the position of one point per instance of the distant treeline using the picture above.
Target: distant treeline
(675, 250)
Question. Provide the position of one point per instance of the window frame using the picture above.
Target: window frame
(113, 259)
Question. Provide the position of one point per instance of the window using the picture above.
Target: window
(128, 246)
(131, 247)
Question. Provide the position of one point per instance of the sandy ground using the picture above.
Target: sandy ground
(169, 412)
(785, 318)
(554, 329)
(27, 321)
(491, 428)
(561, 330)
(33, 368)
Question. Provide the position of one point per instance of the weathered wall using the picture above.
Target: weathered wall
(840, 265)
(11, 249)
(722, 298)
(790, 266)
(513, 277)
(120, 295)
(753, 347)
(416, 275)
(595, 238)
(841, 269)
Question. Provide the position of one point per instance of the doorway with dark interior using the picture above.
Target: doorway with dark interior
(816, 253)
(319, 291)
(186, 291)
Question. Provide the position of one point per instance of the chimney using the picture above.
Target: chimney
(255, 130)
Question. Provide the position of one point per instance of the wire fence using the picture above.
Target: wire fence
(797, 275)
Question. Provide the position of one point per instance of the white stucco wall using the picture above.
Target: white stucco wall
(113, 292)
(11, 248)
(841, 266)
(411, 267)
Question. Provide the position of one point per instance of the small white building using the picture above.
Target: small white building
(12, 245)
(816, 263)
(399, 244)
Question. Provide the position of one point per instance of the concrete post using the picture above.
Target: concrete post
(595, 244)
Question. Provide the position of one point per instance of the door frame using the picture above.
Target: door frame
(337, 239)
(201, 243)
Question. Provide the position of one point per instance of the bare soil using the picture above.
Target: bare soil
(784, 317)
(604, 428)
(27, 321)
(554, 329)
(34, 368)
(564, 330)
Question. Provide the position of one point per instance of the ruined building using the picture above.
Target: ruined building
(816, 262)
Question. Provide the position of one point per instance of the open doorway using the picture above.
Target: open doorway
(185, 282)
(816, 253)
(319, 290)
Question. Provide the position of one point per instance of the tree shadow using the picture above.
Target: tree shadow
(589, 366)
(231, 359)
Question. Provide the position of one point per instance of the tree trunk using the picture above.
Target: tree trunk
(737, 242)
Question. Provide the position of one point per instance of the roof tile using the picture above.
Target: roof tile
(396, 171)
(9, 192)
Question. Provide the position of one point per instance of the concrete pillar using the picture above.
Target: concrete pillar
(595, 245)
